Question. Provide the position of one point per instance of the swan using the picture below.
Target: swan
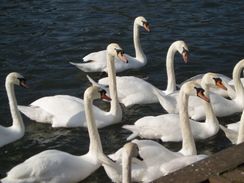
(96, 61)
(68, 111)
(129, 95)
(60, 167)
(235, 131)
(228, 82)
(221, 106)
(17, 130)
(123, 167)
(154, 154)
(229, 93)
(167, 126)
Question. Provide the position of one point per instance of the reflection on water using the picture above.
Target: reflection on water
(39, 39)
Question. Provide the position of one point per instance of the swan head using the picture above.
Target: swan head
(141, 21)
(183, 49)
(115, 50)
(17, 79)
(212, 79)
(131, 150)
(95, 92)
(194, 89)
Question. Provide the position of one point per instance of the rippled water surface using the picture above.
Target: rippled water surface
(39, 38)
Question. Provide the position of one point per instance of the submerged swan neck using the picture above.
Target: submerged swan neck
(140, 56)
(95, 141)
(171, 83)
(188, 143)
(16, 116)
(115, 107)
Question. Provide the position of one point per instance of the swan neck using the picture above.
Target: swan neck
(211, 118)
(237, 81)
(188, 143)
(240, 137)
(171, 83)
(115, 107)
(126, 169)
(140, 56)
(95, 141)
(16, 116)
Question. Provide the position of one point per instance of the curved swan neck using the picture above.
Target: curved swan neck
(188, 143)
(95, 141)
(115, 107)
(240, 137)
(126, 169)
(171, 83)
(16, 116)
(237, 81)
(211, 119)
(140, 56)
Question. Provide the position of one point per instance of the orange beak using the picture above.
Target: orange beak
(220, 84)
(185, 56)
(145, 25)
(122, 57)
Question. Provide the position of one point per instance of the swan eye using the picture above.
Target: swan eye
(145, 23)
(22, 82)
(185, 50)
(200, 91)
(217, 80)
(119, 51)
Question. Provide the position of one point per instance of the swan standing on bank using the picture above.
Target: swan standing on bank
(167, 126)
(221, 106)
(143, 93)
(17, 130)
(154, 154)
(97, 61)
(68, 111)
(60, 167)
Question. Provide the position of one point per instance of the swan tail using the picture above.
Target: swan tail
(230, 134)
(86, 66)
(130, 128)
(35, 113)
(105, 160)
(94, 83)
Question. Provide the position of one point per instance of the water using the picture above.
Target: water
(39, 38)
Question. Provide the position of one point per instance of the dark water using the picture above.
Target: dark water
(39, 38)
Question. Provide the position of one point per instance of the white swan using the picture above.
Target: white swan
(60, 167)
(143, 93)
(96, 61)
(235, 131)
(123, 167)
(68, 111)
(154, 154)
(225, 79)
(17, 130)
(221, 106)
(228, 82)
(167, 126)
